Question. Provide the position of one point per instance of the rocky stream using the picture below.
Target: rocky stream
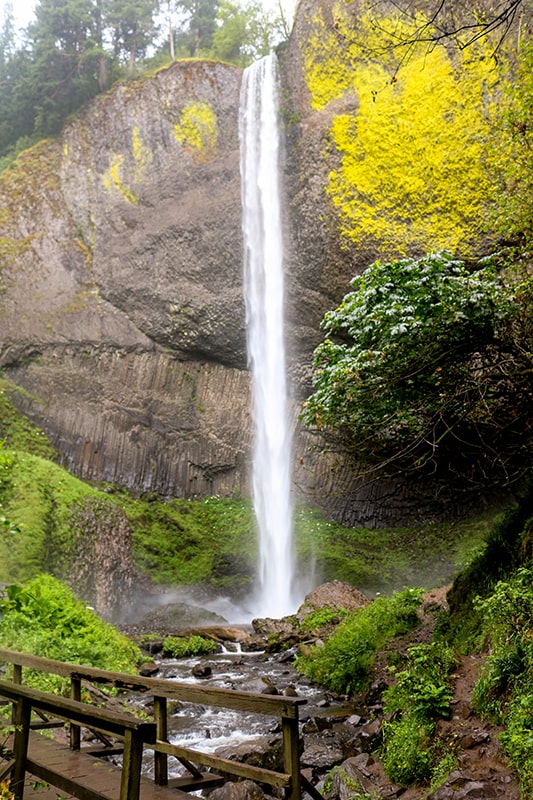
(340, 736)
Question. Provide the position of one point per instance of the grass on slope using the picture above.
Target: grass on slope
(210, 541)
(44, 618)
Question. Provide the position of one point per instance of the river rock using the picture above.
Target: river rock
(460, 787)
(178, 617)
(202, 671)
(265, 751)
(320, 754)
(350, 774)
(243, 790)
(287, 632)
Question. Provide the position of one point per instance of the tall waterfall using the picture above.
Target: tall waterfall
(263, 286)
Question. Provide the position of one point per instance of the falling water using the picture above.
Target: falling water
(263, 286)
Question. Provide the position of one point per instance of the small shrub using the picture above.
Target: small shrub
(322, 617)
(344, 662)
(423, 687)
(44, 618)
(420, 695)
(186, 646)
(407, 757)
(504, 690)
(442, 770)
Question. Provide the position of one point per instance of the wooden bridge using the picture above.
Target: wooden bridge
(81, 772)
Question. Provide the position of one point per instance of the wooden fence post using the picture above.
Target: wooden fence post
(17, 678)
(75, 730)
(131, 766)
(291, 755)
(22, 717)
(161, 759)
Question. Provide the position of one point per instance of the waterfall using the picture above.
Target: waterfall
(263, 287)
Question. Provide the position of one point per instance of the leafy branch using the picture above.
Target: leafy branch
(426, 367)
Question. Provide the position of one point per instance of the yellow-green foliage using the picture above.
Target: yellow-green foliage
(197, 130)
(142, 154)
(413, 159)
(112, 178)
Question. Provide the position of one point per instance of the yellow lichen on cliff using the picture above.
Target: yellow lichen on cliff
(412, 159)
(327, 75)
(197, 130)
(112, 178)
(142, 155)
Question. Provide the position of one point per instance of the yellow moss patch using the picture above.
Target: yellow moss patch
(197, 130)
(142, 154)
(328, 76)
(414, 159)
(86, 251)
(112, 178)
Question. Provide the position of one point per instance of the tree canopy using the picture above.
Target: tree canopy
(74, 49)
(426, 366)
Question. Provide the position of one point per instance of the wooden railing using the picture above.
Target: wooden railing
(283, 708)
(133, 732)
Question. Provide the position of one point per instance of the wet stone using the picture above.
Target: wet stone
(321, 755)
(243, 790)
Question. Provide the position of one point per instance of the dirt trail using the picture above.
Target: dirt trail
(483, 771)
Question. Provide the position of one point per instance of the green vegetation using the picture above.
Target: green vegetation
(427, 367)
(322, 617)
(44, 618)
(504, 691)
(210, 541)
(183, 542)
(18, 432)
(186, 646)
(491, 611)
(37, 499)
(343, 664)
(419, 697)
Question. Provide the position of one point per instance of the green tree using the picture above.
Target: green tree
(132, 29)
(63, 72)
(427, 366)
(197, 27)
(7, 35)
(245, 33)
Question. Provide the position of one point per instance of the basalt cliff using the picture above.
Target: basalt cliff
(121, 305)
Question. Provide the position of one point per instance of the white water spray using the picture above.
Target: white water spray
(263, 286)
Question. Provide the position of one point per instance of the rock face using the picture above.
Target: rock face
(102, 570)
(122, 310)
(121, 306)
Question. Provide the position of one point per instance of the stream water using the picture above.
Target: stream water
(208, 728)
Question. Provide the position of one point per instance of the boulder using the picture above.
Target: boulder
(243, 790)
(335, 595)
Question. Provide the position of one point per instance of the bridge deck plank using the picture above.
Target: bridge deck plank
(82, 775)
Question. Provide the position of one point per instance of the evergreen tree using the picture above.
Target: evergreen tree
(198, 26)
(131, 28)
(63, 73)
